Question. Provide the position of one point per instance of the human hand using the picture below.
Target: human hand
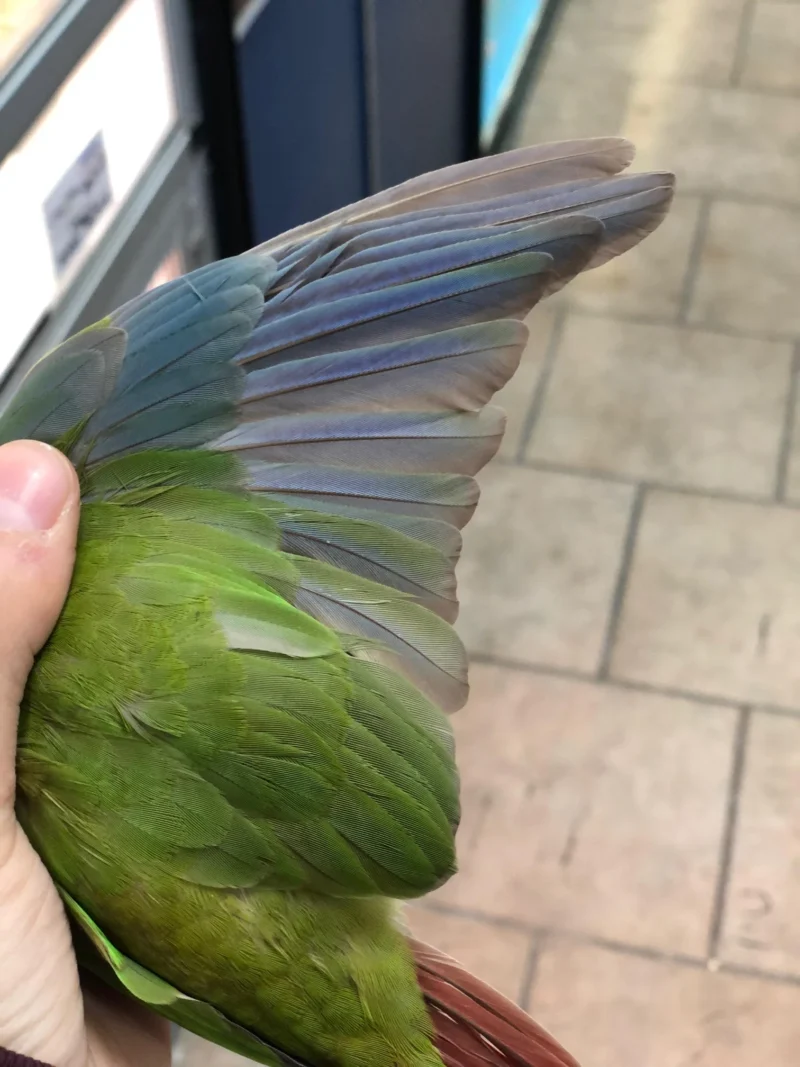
(44, 1011)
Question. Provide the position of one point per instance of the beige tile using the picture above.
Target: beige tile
(562, 107)
(195, 1052)
(516, 397)
(773, 52)
(663, 39)
(616, 45)
(655, 16)
(762, 913)
(718, 140)
(665, 403)
(648, 280)
(749, 270)
(495, 954)
(539, 564)
(713, 600)
(590, 808)
(616, 1010)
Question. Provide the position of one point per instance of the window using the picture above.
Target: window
(64, 183)
(20, 20)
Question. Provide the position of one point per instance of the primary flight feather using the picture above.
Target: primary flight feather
(233, 752)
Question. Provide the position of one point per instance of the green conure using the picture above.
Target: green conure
(234, 756)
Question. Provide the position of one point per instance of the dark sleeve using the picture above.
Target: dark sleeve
(13, 1059)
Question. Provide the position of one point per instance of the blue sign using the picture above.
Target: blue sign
(509, 29)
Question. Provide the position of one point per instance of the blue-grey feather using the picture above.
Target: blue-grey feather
(447, 497)
(386, 440)
(453, 369)
(504, 289)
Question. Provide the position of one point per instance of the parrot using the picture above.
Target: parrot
(235, 755)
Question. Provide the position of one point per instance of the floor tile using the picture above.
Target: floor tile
(665, 403)
(719, 140)
(590, 808)
(649, 279)
(715, 140)
(749, 270)
(562, 107)
(616, 1010)
(517, 395)
(495, 954)
(713, 600)
(617, 44)
(662, 39)
(654, 15)
(539, 565)
(773, 52)
(762, 913)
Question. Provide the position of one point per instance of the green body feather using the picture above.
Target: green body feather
(245, 811)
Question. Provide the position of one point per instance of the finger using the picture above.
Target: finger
(38, 526)
(40, 1003)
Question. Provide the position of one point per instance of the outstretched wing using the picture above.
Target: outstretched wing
(305, 421)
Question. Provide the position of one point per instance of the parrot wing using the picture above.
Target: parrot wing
(520, 171)
(315, 410)
(277, 453)
(352, 383)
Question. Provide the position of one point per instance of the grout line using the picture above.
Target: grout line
(571, 674)
(693, 263)
(787, 431)
(673, 693)
(621, 584)
(537, 401)
(643, 952)
(552, 467)
(743, 198)
(729, 496)
(741, 970)
(777, 711)
(769, 91)
(742, 44)
(664, 320)
(729, 832)
(530, 970)
(476, 915)
(708, 84)
(543, 934)
(577, 936)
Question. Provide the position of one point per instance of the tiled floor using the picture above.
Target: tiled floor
(631, 585)
(630, 852)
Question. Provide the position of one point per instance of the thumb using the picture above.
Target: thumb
(38, 528)
(40, 1004)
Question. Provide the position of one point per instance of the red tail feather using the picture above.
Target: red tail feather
(475, 1025)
